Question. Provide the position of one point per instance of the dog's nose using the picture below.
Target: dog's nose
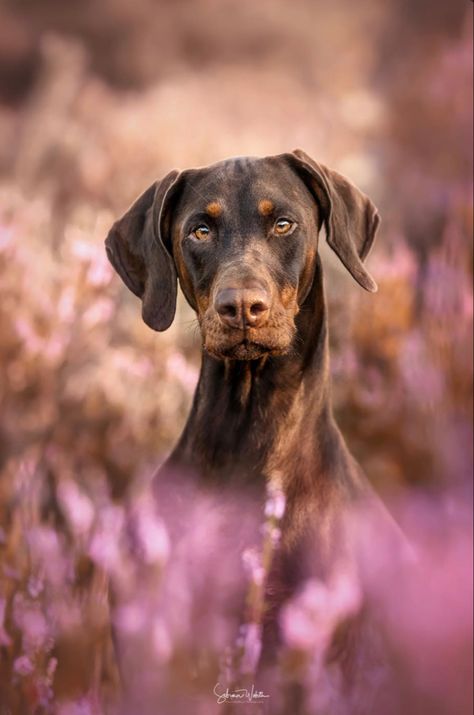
(243, 307)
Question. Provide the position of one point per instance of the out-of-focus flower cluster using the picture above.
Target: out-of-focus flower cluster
(76, 427)
(91, 400)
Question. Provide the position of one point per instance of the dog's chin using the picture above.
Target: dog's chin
(244, 350)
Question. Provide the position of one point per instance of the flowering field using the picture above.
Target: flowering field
(93, 110)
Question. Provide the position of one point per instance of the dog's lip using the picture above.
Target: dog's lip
(245, 349)
(249, 343)
(244, 342)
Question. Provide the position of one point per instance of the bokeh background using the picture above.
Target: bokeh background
(98, 98)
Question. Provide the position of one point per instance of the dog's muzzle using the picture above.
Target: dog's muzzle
(242, 308)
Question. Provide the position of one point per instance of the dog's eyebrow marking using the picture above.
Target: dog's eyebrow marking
(265, 207)
(214, 209)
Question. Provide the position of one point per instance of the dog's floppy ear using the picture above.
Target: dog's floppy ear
(135, 246)
(349, 216)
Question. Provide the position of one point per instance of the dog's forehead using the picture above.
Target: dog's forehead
(260, 181)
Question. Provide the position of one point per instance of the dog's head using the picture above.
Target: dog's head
(241, 237)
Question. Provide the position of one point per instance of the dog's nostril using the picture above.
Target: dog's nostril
(257, 308)
(227, 306)
(228, 310)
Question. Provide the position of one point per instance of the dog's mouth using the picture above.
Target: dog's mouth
(245, 350)
(249, 344)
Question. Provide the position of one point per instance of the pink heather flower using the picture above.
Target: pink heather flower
(47, 552)
(161, 641)
(66, 305)
(400, 264)
(32, 624)
(252, 645)
(83, 706)
(302, 621)
(275, 505)
(252, 562)
(51, 669)
(183, 371)
(151, 534)
(100, 272)
(82, 249)
(421, 375)
(11, 572)
(131, 617)
(276, 500)
(99, 312)
(32, 342)
(105, 545)
(78, 506)
(310, 619)
(55, 347)
(275, 535)
(346, 595)
(23, 665)
(345, 362)
(6, 237)
(125, 359)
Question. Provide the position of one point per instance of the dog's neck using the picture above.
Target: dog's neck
(247, 415)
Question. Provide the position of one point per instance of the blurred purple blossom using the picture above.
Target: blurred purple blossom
(105, 546)
(310, 619)
(23, 665)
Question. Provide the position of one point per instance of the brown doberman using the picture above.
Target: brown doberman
(241, 237)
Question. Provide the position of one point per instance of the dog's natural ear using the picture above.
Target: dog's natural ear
(136, 247)
(349, 216)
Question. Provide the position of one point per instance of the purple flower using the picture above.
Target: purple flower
(23, 665)
(252, 646)
(78, 507)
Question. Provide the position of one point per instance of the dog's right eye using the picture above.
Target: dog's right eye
(201, 232)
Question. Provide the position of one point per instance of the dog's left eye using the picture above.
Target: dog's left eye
(201, 232)
(283, 226)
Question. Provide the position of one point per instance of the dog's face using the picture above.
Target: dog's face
(243, 241)
(241, 237)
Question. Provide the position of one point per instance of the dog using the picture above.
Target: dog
(241, 238)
